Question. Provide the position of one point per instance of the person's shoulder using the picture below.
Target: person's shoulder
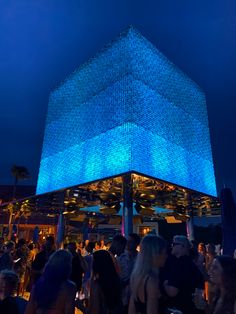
(186, 261)
(8, 305)
(68, 287)
(122, 257)
(40, 254)
(21, 304)
(69, 284)
(5, 256)
(20, 300)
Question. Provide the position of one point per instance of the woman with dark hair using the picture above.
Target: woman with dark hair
(53, 293)
(223, 276)
(105, 291)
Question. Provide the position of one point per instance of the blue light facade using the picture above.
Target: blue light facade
(127, 109)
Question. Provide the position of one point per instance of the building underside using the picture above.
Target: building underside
(104, 202)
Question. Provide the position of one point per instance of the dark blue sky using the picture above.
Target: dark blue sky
(43, 41)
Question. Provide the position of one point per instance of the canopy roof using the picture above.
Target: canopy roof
(100, 200)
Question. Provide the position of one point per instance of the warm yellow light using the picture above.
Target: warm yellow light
(172, 220)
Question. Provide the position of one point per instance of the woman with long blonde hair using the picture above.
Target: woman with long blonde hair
(144, 282)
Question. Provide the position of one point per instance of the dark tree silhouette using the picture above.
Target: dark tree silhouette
(19, 173)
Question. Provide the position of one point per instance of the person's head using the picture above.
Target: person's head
(194, 244)
(72, 247)
(10, 246)
(97, 246)
(103, 264)
(108, 244)
(202, 248)
(118, 245)
(181, 246)
(211, 249)
(81, 245)
(21, 243)
(31, 246)
(59, 265)
(49, 244)
(132, 242)
(152, 252)
(89, 248)
(8, 283)
(56, 271)
(105, 273)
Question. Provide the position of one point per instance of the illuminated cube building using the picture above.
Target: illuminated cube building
(127, 109)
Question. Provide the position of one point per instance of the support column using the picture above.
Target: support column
(228, 209)
(127, 218)
(190, 228)
(10, 225)
(189, 222)
(61, 220)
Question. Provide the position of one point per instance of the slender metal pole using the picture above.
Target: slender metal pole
(190, 222)
(61, 221)
(10, 221)
(127, 204)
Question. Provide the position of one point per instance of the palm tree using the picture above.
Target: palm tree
(19, 173)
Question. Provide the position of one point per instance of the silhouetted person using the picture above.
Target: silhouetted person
(223, 276)
(6, 260)
(79, 266)
(9, 303)
(41, 258)
(105, 291)
(183, 277)
(53, 293)
(145, 291)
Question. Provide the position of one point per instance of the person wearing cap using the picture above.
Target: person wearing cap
(183, 277)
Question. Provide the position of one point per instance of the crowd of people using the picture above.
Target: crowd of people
(126, 276)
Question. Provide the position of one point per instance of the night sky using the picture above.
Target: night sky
(43, 41)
